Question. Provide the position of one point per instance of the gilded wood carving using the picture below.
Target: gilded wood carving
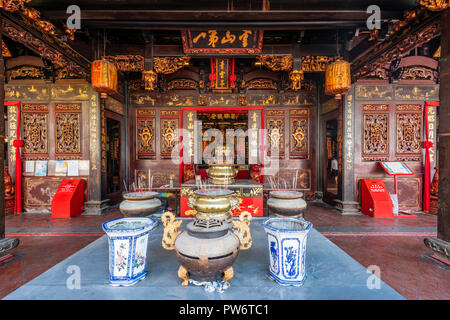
(409, 133)
(275, 136)
(376, 134)
(68, 132)
(298, 128)
(145, 136)
(35, 130)
(168, 136)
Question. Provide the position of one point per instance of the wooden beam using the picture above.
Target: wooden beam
(241, 16)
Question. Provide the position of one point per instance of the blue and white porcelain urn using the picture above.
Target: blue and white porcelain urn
(287, 247)
(128, 241)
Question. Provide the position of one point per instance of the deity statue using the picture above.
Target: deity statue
(9, 187)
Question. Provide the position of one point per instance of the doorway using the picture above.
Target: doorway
(330, 157)
(113, 156)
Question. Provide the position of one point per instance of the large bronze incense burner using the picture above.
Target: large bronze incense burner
(208, 247)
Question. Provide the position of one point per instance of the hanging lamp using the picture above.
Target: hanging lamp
(338, 76)
(104, 74)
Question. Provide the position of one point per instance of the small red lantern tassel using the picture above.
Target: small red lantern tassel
(212, 75)
(232, 76)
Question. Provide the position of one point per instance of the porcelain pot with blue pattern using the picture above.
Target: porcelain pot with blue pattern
(128, 241)
(287, 247)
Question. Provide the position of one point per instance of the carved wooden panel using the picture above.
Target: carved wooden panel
(275, 132)
(35, 130)
(145, 134)
(375, 134)
(67, 129)
(409, 132)
(39, 191)
(169, 123)
(298, 133)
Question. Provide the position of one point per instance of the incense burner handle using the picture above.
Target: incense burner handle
(241, 228)
(234, 201)
(191, 202)
(171, 231)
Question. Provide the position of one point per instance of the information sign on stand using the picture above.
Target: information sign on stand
(396, 168)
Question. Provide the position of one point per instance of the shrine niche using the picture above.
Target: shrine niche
(375, 134)
(298, 132)
(145, 134)
(169, 125)
(35, 130)
(275, 133)
(68, 129)
(409, 130)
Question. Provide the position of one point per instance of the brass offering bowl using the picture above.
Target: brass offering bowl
(139, 204)
(286, 203)
(213, 204)
(222, 174)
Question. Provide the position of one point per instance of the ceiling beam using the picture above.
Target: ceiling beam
(242, 16)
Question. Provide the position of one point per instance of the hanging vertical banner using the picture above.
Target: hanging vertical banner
(222, 41)
(428, 144)
(222, 71)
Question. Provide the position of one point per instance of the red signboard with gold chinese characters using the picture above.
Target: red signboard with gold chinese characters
(222, 41)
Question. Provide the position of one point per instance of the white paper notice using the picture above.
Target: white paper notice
(29, 166)
(72, 168)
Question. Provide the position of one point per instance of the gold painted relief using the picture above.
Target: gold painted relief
(145, 136)
(409, 133)
(168, 136)
(376, 133)
(35, 133)
(275, 133)
(68, 132)
(298, 127)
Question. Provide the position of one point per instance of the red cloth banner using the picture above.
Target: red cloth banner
(427, 144)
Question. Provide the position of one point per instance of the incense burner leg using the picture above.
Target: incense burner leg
(183, 274)
(228, 274)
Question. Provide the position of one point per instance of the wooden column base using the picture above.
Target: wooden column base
(440, 247)
(7, 244)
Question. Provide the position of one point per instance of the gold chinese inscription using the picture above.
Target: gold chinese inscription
(376, 133)
(225, 41)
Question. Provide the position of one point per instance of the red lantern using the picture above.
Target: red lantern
(104, 76)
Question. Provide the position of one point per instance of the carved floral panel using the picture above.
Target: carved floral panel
(68, 133)
(376, 134)
(409, 133)
(35, 133)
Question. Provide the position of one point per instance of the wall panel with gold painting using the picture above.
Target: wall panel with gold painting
(275, 126)
(35, 130)
(169, 124)
(299, 133)
(145, 134)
